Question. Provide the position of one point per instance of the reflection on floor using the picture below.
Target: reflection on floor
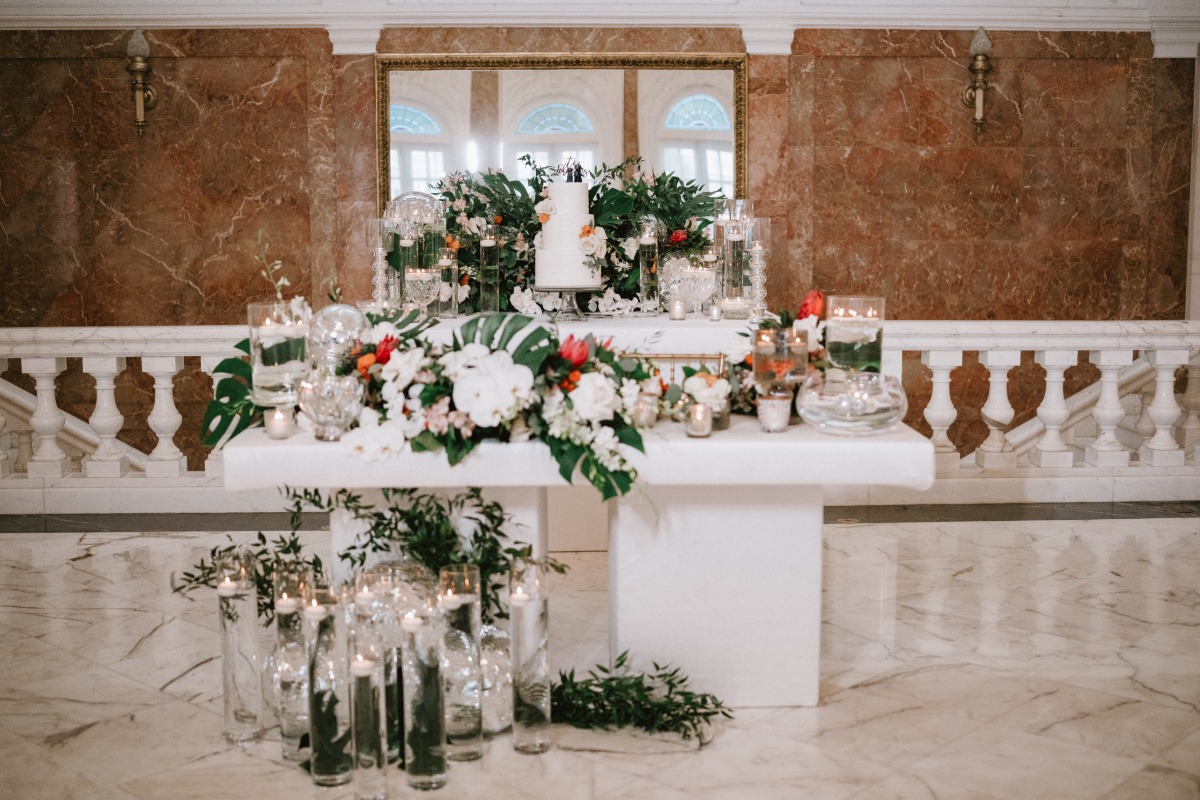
(963, 660)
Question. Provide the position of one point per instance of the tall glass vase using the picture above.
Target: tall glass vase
(329, 691)
(286, 677)
(240, 658)
(368, 716)
(489, 269)
(424, 708)
(459, 601)
(529, 613)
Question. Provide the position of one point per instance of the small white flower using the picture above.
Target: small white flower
(523, 301)
(630, 247)
(630, 390)
(546, 207)
(813, 326)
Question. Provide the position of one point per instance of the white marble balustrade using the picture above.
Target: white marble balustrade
(1127, 436)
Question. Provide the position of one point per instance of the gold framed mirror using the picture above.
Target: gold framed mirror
(439, 113)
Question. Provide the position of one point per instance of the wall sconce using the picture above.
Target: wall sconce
(980, 66)
(144, 97)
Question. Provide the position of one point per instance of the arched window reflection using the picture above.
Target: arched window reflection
(694, 142)
(418, 152)
(552, 134)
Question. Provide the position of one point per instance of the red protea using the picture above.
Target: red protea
(812, 305)
(383, 350)
(574, 351)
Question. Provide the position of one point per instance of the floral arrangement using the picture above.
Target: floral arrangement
(503, 377)
(683, 210)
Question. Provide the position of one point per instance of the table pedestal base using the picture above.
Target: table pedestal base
(724, 583)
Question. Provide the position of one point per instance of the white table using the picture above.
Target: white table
(714, 557)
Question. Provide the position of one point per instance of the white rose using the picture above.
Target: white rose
(594, 244)
(704, 392)
(595, 398)
(546, 207)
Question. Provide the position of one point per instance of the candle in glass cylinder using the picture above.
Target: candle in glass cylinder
(278, 423)
(699, 421)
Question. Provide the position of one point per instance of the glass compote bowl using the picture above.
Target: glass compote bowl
(423, 287)
(696, 285)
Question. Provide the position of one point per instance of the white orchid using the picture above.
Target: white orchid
(494, 390)
(456, 362)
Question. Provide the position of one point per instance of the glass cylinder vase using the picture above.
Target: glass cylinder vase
(424, 707)
(240, 659)
(368, 713)
(528, 603)
(459, 601)
(287, 677)
(278, 355)
(329, 690)
(489, 269)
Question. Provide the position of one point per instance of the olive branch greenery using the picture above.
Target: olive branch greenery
(613, 697)
(267, 556)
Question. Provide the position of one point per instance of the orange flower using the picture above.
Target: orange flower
(575, 376)
(464, 280)
(497, 219)
(364, 363)
(452, 243)
(543, 218)
(586, 231)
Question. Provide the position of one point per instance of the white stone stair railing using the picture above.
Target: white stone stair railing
(1128, 436)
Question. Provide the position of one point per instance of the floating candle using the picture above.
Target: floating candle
(286, 605)
(364, 598)
(411, 622)
(315, 612)
(228, 588)
(362, 667)
(450, 601)
(518, 598)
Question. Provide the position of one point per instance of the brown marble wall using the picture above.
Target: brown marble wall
(1071, 203)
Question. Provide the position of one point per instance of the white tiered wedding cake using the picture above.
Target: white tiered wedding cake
(559, 260)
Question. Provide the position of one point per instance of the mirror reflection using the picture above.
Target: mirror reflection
(679, 114)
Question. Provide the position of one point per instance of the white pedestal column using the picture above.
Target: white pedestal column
(940, 413)
(1162, 450)
(1107, 450)
(166, 460)
(997, 452)
(724, 583)
(106, 420)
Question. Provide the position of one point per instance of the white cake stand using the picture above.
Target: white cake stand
(569, 310)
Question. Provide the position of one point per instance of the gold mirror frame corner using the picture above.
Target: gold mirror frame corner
(385, 64)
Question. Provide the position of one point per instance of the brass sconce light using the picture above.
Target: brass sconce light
(139, 76)
(980, 66)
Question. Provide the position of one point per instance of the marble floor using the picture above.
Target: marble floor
(982, 660)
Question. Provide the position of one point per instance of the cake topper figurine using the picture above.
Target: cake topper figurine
(573, 171)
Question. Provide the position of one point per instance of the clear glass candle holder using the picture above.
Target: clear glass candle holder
(286, 677)
(368, 713)
(447, 262)
(459, 601)
(424, 699)
(854, 332)
(278, 350)
(240, 657)
(528, 603)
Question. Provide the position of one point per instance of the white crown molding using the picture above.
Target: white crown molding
(768, 40)
(354, 40)
(767, 25)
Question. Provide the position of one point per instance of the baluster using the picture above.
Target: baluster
(1051, 450)
(1162, 450)
(6, 463)
(940, 413)
(1188, 432)
(997, 452)
(166, 460)
(1107, 450)
(214, 463)
(106, 420)
(50, 460)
